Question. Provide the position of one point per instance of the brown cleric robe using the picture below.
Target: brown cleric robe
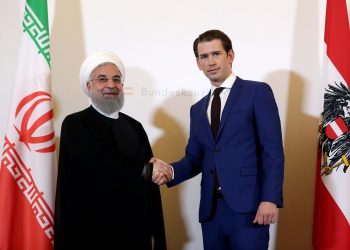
(103, 200)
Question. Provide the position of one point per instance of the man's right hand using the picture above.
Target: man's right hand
(162, 172)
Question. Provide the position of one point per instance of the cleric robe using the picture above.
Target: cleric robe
(103, 200)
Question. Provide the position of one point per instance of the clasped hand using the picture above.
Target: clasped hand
(162, 172)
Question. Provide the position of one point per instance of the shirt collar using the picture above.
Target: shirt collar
(227, 84)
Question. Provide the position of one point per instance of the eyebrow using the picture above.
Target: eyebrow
(103, 75)
(212, 52)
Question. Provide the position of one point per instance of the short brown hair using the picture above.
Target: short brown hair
(212, 35)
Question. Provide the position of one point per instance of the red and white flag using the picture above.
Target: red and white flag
(332, 195)
(336, 128)
(28, 162)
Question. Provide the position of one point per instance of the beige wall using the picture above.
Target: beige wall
(280, 42)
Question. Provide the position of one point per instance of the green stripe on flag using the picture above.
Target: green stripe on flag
(35, 23)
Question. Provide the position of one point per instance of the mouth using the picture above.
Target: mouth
(213, 71)
(110, 94)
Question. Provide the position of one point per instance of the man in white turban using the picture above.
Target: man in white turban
(92, 84)
(95, 60)
(105, 198)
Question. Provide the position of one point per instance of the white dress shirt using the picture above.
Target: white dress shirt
(227, 84)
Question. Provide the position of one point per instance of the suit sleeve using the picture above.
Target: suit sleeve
(191, 164)
(270, 143)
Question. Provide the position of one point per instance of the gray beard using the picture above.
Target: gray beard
(109, 106)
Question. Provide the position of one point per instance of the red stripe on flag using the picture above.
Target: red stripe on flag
(330, 133)
(331, 229)
(19, 227)
(337, 37)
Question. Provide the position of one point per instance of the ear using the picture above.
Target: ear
(88, 85)
(231, 56)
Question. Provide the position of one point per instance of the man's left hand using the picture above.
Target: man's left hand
(267, 213)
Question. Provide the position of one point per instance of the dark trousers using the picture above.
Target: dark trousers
(228, 230)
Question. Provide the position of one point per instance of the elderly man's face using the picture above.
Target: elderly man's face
(106, 89)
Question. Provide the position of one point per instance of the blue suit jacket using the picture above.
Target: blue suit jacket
(247, 154)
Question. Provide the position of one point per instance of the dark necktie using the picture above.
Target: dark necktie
(215, 111)
(215, 122)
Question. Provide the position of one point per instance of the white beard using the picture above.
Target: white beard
(108, 105)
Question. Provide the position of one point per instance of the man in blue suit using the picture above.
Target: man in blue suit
(241, 161)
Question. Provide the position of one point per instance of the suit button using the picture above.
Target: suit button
(211, 171)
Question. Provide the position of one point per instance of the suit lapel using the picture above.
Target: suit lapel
(232, 98)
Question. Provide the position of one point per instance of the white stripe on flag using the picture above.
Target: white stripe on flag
(340, 192)
(336, 128)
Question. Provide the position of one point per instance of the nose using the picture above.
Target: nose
(112, 84)
(211, 60)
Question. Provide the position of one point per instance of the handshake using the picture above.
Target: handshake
(162, 172)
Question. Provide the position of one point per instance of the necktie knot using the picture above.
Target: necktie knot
(217, 91)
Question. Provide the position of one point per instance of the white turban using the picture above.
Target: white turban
(96, 59)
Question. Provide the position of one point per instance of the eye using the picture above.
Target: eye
(102, 79)
(116, 80)
(216, 54)
(203, 57)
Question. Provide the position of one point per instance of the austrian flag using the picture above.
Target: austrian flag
(332, 194)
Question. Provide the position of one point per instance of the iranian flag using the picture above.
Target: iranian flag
(332, 195)
(28, 162)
